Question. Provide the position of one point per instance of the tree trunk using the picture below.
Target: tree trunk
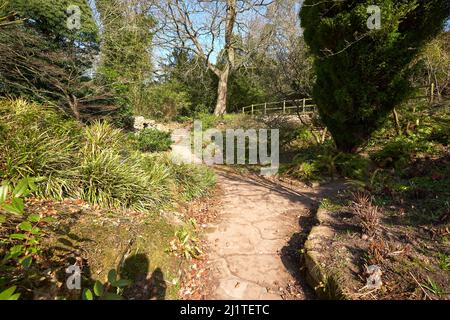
(398, 128)
(222, 91)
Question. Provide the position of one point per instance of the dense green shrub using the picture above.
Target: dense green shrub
(165, 100)
(190, 181)
(193, 181)
(35, 141)
(49, 16)
(398, 151)
(97, 163)
(318, 161)
(21, 235)
(42, 60)
(304, 171)
(353, 166)
(153, 140)
(363, 74)
(111, 175)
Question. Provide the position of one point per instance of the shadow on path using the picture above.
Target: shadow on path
(305, 200)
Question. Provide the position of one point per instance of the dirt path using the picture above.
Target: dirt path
(254, 247)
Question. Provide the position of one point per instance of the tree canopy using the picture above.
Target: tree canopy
(362, 74)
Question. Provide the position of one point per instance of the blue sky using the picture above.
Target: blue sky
(161, 53)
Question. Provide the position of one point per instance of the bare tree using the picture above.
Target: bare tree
(214, 29)
(288, 62)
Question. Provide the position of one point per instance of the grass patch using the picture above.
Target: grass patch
(153, 140)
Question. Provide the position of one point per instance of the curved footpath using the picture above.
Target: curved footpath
(252, 247)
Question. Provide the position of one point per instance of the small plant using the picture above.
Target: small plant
(329, 205)
(353, 166)
(305, 171)
(186, 243)
(24, 242)
(328, 161)
(433, 287)
(376, 252)
(193, 181)
(103, 291)
(444, 261)
(367, 213)
(23, 234)
(9, 294)
(153, 140)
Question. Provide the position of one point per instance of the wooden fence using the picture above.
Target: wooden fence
(306, 105)
(286, 106)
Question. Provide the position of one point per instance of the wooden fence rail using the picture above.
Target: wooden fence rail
(285, 107)
(306, 106)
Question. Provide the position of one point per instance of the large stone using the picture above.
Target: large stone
(141, 123)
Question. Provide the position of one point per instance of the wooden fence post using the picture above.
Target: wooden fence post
(265, 108)
(284, 106)
(432, 93)
(252, 109)
(304, 105)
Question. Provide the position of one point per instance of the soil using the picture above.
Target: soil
(410, 257)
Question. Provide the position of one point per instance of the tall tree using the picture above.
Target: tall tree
(362, 74)
(126, 47)
(52, 18)
(185, 68)
(209, 28)
(43, 59)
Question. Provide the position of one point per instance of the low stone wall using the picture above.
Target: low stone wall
(324, 282)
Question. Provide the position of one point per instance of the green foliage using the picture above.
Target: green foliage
(208, 120)
(186, 242)
(112, 176)
(23, 243)
(125, 60)
(11, 199)
(21, 236)
(433, 64)
(50, 17)
(9, 294)
(244, 90)
(433, 287)
(165, 100)
(430, 184)
(398, 151)
(304, 171)
(353, 166)
(36, 67)
(313, 163)
(35, 141)
(199, 85)
(153, 140)
(96, 163)
(363, 74)
(327, 161)
(105, 291)
(444, 261)
(193, 181)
